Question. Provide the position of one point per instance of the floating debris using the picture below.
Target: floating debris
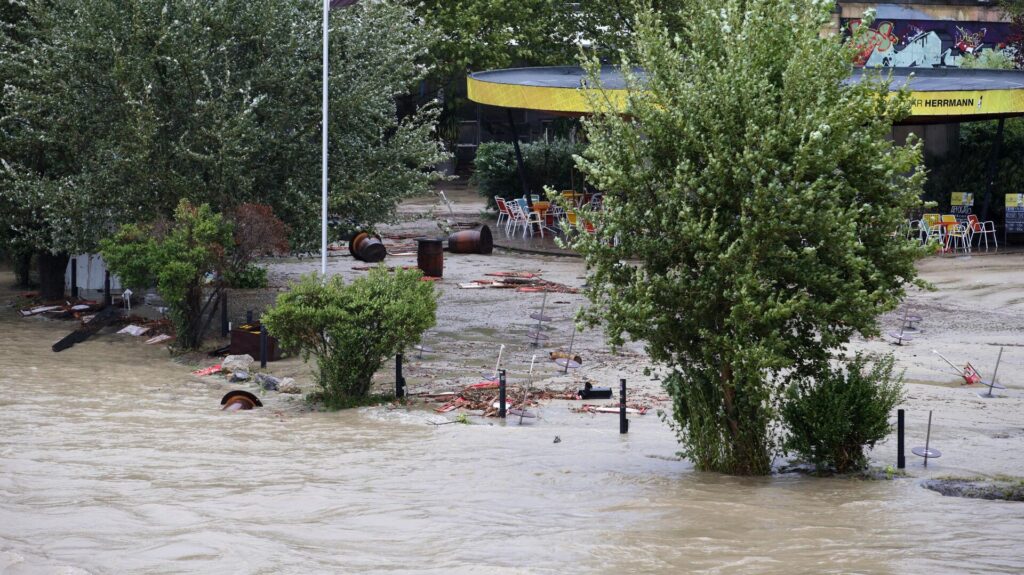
(637, 408)
(133, 329)
(523, 282)
(208, 370)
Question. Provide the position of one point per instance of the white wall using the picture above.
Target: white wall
(91, 269)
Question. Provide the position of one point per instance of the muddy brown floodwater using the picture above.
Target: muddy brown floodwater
(114, 459)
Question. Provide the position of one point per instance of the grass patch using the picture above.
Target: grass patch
(317, 397)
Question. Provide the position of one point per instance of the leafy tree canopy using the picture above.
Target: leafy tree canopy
(114, 111)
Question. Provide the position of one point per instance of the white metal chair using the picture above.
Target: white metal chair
(516, 217)
(529, 217)
(957, 237)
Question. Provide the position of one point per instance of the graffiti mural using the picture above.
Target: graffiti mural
(928, 43)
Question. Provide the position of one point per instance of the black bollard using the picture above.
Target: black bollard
(248, 317)
(901, 460)
(74, 278)
(108, 299)
(399, 380)
(501, 394)
(263, 346)
(623, 422)
(224, 314)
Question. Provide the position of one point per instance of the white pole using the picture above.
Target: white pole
(323, 164)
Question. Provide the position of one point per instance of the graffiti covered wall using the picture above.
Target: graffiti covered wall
(930, 43)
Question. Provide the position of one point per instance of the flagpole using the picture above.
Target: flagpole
(323, 162)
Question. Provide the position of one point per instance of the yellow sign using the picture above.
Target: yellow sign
(967, 103)
(961, 199)
(1015, 200)
(574, 100)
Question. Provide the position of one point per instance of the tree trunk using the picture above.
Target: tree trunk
(51, 275)
(190, 336)
(22, 269)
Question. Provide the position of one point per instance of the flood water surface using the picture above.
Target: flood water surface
(114, 459)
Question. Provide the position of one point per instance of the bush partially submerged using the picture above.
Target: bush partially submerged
(352, 329)
(831, 420)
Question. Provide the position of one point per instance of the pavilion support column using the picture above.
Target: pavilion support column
(520, 166)
(993, 170)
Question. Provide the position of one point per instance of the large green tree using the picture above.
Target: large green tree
(751, 195)
(114, 111)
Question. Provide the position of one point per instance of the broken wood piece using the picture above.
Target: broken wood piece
(95, 323)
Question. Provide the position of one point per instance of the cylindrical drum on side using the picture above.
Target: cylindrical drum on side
(478, 241)
(367, 248)
(430, 257)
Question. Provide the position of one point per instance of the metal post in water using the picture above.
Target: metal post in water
(108, 298)
(623, 422)
(928, 439)
(74, 278)
(995, 372)
(263, 346)
(901, 459)
(399, 380)
(501, 394)
(540, 319)
(224, 327)
(572, 340)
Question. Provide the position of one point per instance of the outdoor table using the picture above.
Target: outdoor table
(577, 198)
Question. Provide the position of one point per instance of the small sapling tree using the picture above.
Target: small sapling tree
(831, 419)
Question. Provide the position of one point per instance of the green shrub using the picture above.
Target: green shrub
(352, 329)
(178, 257)
(547, 164)
(252, 276)
(495, 171)
(831, 420)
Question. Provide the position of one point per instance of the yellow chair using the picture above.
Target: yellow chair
(957, 237)
(932, 227)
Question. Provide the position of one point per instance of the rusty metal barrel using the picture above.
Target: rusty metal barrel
(239, 399)
(367, 248)
(430, 256)
(476, 241)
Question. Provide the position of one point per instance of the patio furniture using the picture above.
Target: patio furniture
(931, 228)
(526, 217)
(516, 217)
(503, 213)
(914, 228)
(976, 227)
(957, 238)
(573, 197)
